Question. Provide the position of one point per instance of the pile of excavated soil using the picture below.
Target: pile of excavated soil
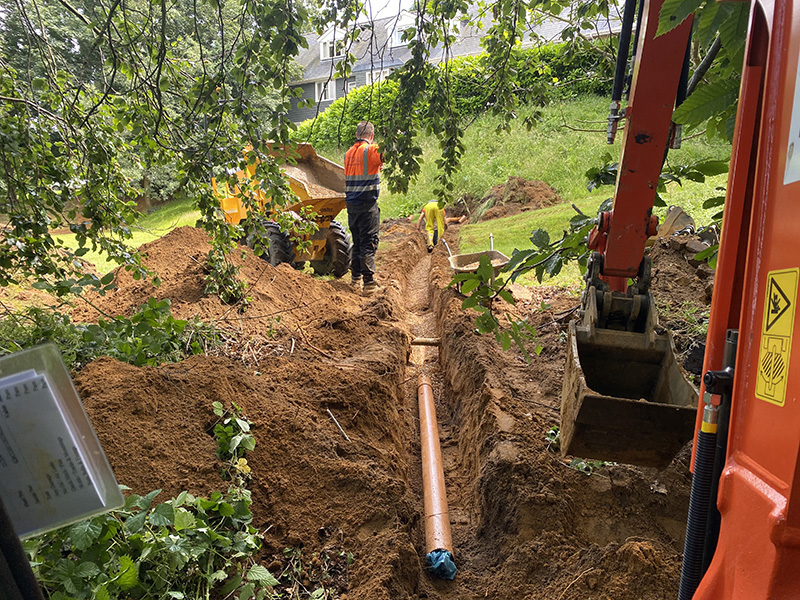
(681, 288)
(525, 524)
(518, 195)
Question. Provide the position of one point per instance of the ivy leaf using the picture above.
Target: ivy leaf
(262, 576)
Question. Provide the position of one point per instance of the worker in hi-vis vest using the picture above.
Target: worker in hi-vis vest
(435, 222)
(362, 166)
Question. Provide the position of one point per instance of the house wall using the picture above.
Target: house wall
(298, 115)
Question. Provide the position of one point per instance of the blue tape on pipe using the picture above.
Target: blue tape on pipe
(441, 564)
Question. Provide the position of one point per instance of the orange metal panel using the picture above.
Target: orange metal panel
(758, 554)
(646, 138)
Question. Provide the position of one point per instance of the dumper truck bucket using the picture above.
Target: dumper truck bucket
(625, 398)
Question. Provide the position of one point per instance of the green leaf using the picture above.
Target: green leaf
(317, 594)
(101, 593)
(507, 296)
(710, 19)
(135, 523)
(707, 101)
(540, 238)
(714, 201)
(470, 285)
(232, 584)
(162, 515)
(485, 268)
(145, 502)
(247, 591)
(86, 570)
(84, 534)
(708, 252)
(712, 167)
(184, 519)
(733, 31)
(262, 576)
(674, 12)
(128, 576)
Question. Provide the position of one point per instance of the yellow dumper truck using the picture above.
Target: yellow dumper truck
(319, 185)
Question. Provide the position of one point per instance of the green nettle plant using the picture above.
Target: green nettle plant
(234, 440)
(150, 336)
(186, 548)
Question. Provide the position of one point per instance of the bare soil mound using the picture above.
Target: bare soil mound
(525, 524)
(682, 288)
(518, 195)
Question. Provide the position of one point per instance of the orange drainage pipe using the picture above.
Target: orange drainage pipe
(438, 542)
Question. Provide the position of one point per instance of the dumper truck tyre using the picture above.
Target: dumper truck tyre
(336, 261)
(281, 249)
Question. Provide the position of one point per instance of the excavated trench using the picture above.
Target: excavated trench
(525, 525)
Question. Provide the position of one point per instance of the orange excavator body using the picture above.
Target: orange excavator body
(757, 555)
(743, 532)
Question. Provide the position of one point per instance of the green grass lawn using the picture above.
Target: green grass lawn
(149, 227)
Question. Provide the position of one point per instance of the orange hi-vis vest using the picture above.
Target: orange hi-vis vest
(362, 165)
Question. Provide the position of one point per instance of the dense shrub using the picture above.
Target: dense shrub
(541, 74)
(336, 126)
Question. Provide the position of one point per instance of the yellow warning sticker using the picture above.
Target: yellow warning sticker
(776, 335)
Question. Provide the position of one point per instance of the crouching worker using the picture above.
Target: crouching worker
(362, 165)
(435, 222)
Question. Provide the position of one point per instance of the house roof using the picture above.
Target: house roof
(374, 48)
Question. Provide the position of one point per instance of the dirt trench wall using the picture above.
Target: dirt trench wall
(311, 488)
(548, 531)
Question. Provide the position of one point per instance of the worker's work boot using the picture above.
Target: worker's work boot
(430, 248)
(370, 288)
(355, 284)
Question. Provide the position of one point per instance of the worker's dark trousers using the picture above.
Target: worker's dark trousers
(364, 219)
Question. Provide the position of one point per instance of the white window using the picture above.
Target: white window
(377, 76)
(331, 49)
(397, 36)
(326, 90)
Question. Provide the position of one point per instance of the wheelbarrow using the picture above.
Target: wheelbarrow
(469, 263)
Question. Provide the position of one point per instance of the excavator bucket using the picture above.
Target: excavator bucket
(624, 397)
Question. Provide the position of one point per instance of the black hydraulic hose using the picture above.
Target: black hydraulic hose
(621, 67)
(683, 83)
(719, 382)
(692, 567)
